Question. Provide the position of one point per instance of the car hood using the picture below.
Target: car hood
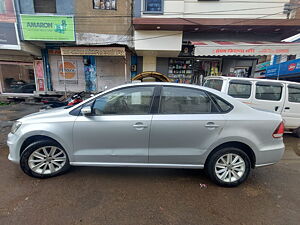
(45, 114)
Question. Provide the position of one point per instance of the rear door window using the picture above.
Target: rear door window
(239, 89)
(179, 100)
(214, 84)
(294, 93)
(268, 91)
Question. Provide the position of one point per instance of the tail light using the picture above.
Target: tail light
(278, 133)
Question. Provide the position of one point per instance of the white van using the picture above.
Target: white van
(282, 97)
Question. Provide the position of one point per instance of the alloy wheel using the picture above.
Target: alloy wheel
(47, 160)
(230, 167)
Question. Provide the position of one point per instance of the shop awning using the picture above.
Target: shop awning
(255, 48)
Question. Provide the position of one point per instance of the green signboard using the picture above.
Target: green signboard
(48, 28)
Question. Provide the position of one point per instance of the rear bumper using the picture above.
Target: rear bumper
(269, 156)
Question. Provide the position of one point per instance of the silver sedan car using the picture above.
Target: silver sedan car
(150, 125)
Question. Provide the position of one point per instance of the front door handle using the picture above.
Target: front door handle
(140, 126)
(211, 125)
(287, 108)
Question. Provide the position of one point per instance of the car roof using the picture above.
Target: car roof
(249, 79)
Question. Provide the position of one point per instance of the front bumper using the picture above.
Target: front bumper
(12, 143)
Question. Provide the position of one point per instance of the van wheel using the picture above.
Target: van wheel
(43, 159)
(228, 167)
(296, 132)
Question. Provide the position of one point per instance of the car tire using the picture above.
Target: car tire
(296, 132)
(228, 167)
(44, 159)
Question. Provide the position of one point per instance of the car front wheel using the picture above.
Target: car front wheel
(228, 167)
(43, 159)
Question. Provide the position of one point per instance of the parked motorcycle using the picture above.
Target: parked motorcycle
(70, 101)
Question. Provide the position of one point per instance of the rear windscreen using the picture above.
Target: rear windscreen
(214, 84)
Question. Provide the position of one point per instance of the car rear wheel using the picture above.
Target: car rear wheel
(228, 167)
(43, 159)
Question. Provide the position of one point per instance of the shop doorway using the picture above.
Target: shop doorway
(17, 78)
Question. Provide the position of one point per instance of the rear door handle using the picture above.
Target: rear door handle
(211, 125)
(287, 108)
(140, 126)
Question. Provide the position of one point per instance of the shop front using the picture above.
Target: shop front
(17, 58)
(91, 69)
(215, 58)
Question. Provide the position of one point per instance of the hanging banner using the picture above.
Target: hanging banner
(48, 28)
(39, 75)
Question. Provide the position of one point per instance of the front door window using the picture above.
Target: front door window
(127, 101)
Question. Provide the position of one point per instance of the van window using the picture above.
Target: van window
(294, 93)
(268, 91)
(239, 89)
(214, 84)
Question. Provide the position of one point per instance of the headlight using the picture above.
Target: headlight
(15, 127)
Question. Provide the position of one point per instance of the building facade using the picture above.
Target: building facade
(190, 39)
(77, 45)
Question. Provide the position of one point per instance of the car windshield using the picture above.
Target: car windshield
(214, 84)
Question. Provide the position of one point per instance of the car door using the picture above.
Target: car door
(117, 131)
(268, 96)
(186, 124)
(291, 109)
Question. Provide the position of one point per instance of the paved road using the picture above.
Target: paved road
(146, 196)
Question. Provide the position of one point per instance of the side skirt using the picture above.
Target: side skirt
(149, 165)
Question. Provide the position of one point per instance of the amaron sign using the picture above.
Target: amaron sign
(48, 28)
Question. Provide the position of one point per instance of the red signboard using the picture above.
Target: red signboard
(39, 75)
(292, 66)
(7, 12)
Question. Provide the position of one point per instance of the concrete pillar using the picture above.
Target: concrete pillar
(149, 63)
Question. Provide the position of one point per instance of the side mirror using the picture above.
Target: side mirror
(86, 110)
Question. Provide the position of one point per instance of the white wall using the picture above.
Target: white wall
(158, 40)
(222, 9)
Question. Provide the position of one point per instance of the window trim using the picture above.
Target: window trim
(241, 82)
(153, 12)
(220, 111)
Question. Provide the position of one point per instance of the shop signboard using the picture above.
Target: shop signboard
(48, 28)
(96, 51)
(228, 48)
(68, 73)
(286, 68)
(8, 36)
(262, 66)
